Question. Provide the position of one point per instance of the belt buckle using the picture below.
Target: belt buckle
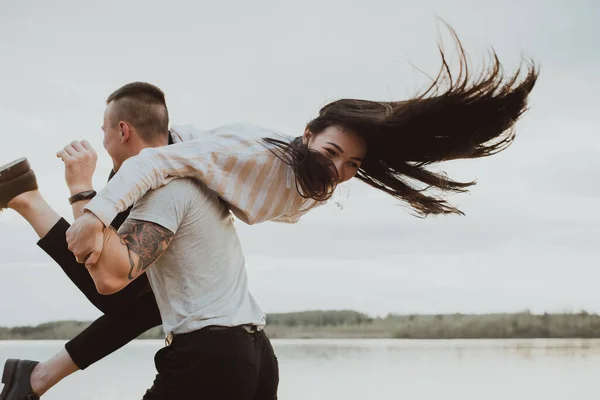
(251, 328)
(169, 339)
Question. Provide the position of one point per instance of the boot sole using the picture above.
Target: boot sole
(8, 377)
(14, 169)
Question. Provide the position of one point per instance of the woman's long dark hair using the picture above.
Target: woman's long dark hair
(456, 117)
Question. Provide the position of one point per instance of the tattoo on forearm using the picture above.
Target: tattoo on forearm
(145, 239)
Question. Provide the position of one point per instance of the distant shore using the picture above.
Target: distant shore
(352, 324)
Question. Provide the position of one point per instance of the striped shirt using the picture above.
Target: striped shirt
(231, 160)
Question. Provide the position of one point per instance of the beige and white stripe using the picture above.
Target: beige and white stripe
(230, 160)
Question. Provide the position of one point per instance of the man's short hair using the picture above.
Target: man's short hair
(144, 107)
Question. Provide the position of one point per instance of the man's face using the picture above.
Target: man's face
(113, 136)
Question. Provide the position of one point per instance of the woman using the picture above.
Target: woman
(388, 145)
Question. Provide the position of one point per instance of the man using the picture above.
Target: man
(182, 237)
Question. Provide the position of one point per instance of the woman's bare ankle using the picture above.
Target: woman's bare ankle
(25, 200)
(50, 372)
(32, 206)
(40, 379)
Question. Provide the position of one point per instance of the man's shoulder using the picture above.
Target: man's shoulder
(182, 187)
(169, 205)
(177, 191)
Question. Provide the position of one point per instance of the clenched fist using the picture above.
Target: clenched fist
(80, 163)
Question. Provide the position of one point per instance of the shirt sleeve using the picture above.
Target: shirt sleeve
(165, 206)
(216, 160)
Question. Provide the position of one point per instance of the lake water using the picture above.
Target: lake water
(369, 369)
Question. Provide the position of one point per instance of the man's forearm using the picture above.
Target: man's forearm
(127, 254)
(110, 273)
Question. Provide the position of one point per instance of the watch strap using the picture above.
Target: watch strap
(86, 195)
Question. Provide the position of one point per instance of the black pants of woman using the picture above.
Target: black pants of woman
(127, 314)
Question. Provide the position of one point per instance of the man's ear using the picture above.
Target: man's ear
(125, 131)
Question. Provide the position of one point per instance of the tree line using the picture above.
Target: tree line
(354, 324)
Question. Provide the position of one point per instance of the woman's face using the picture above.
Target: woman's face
(345, 149)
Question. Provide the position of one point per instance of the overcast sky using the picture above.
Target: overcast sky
(529, 239)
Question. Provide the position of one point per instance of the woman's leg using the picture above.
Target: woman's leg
(130, 312)
(52, 229)
(107, 334)
(48, 373)
(110, 332)
(34, 208)
(54, 243)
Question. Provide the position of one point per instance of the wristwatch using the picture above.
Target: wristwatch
(87, 195)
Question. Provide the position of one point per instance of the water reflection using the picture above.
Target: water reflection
(370, 369)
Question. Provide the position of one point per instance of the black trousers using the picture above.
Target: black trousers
(133, 310)
(216, 363)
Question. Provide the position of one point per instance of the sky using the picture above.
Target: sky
(529, 239)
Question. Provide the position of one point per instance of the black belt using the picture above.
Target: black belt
(249, 328)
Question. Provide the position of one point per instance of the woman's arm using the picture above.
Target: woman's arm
(216, 160)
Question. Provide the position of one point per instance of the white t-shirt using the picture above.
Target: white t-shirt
(201, 278)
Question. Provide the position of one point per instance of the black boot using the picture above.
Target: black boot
(15, 178)
(17, 380)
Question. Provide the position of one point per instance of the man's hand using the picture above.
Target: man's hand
(86, 239)
(80, 163)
